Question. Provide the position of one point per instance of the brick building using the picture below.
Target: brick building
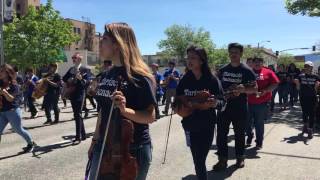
(21, 6)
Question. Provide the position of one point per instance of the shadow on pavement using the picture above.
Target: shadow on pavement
(11, 156)
(296, 139)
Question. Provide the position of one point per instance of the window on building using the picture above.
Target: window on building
(37, 7)
(79, 31)
(18, 15)
(18, 7)
(74, 29)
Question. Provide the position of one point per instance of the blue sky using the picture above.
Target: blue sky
(244, 21)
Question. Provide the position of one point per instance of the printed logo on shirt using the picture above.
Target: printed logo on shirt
(106, 87)
(188, 92)
(232, 77)
(308, 81)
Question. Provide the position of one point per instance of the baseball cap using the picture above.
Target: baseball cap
(309, 63)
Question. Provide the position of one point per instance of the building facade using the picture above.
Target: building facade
(21, 6)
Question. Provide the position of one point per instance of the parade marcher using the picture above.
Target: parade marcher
(308, 84)
(135, 102)
(317, 124)
(250, 62)
(77, 77)
(171, 79)
(200, 123)
(258, 103)
(10, 112)
(51, 98)
(283, 87)
(240, 80)
(159, 92)
(31, 81)
(293, 73)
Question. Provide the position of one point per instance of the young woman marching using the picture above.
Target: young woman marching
(10, 112)
(136, 101)
(308, 84)
(200, 123)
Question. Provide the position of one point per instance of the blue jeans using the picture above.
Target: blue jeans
(143, 154)
(257, 114)
(14, 118)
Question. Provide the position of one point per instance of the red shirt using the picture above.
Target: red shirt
(265, 77)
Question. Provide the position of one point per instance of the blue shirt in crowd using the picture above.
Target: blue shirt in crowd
(172, 83)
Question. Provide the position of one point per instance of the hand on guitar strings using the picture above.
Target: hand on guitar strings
(119, 100)
(78, 76)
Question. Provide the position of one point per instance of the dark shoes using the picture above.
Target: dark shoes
(165, 113)
(240, 163)
(221, 165)
(48, 122)
(29, 148)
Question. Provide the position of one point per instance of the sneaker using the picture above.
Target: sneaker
(86, 114)
(258, 147)
(221, 165)
(165, 113)
(310, 133)
(48, 122)
(29, 148)
(240, 163)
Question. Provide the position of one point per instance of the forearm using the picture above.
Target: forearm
(270, 88)
(143, 117)
(8, 96)
(251, 90)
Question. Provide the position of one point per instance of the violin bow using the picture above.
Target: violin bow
(167, 138)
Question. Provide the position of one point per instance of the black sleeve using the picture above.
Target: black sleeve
(218, 91)
(66, 76)
(180, 87)
(147, 92)
(15, 92)
(249, 76)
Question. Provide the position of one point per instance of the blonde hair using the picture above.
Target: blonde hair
(130, 56)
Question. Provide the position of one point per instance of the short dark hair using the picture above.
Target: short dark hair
(172, 63)
(258, 59)
(29, 70)
(235, 45)
(15, 68)
(108, 62)
(54, 65)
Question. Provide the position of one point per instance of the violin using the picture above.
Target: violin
(117, 162)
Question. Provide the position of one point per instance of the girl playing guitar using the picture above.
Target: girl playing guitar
(199, 82)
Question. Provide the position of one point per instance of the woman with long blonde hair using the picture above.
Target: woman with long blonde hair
(136, 101)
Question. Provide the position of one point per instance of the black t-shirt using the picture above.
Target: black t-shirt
(230, 75)
(55, 91)
(293, 74)
(14, 90)
(199, 120)
(307, 84)
(283, 77)
(139, 96)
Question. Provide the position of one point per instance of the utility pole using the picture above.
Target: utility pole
(1, 32)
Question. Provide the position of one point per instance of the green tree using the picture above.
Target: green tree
(286, 59)
(304, 7)
(221, 56)
(180, 37)
(37, 38)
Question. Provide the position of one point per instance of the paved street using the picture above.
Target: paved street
(285, 155)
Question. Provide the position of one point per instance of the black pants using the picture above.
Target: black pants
(308, 106)
(50, 102)
(85, 109)
(31, 106)
(200, 145)
(238, 117)
(76, 107)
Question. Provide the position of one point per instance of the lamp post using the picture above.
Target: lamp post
(262, 42)
(1, 33)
